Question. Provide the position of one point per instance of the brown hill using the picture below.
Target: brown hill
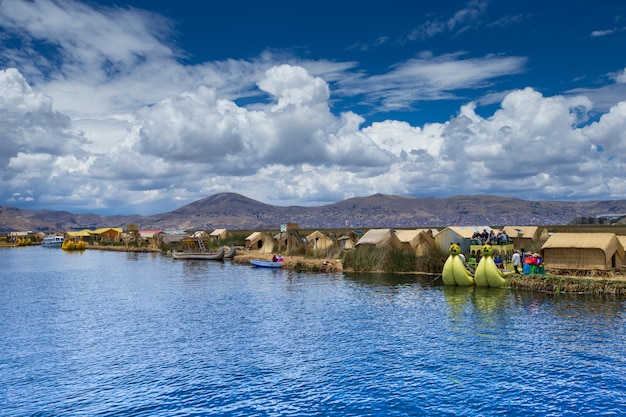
(236, 212)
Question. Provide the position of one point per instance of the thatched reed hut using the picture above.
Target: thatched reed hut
(583, 251)
(526, 237)
(417, 240)
(219, 234)
(459, 234)
(318, 240)
(379, 238)
(107, 234)
(260, 241)
(347, 241)
(622, 240)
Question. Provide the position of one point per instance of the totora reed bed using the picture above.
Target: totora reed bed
(608, 284)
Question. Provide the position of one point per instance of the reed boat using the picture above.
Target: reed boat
(207, 256)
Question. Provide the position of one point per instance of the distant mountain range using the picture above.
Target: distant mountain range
(236, 212)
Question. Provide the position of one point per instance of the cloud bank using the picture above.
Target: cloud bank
(112, 121)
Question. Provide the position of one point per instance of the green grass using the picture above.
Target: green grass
(380, 259)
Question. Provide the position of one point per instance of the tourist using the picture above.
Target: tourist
(516, 260)
(280, 258)
(274, 258)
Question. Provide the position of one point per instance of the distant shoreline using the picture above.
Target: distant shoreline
(121, 248)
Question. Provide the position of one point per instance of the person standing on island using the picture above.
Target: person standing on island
(517, 260)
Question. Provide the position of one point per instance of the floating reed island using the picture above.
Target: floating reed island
(595, 283)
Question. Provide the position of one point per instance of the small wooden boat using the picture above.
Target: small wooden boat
(207, 256)
(230, 252)
(265, 264)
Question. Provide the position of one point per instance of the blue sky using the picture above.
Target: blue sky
(144, 106)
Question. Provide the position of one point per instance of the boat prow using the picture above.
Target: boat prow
(229, 252)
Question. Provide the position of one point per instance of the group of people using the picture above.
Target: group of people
(490, 238)
(474, 259)
(278, 258)
(531, 263)
(523, 262)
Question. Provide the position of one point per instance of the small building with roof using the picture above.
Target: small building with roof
(622, 240)
(107, 234)
(318, 241)
(583, 251)
(260, 241)
(173, 236)
(461, 235)
(85, 235)
(526, 236)
(200, 234)
(418, 240)
(379, 238)
(415, 238)
(347, 241)
(219, 234)
(152, 237)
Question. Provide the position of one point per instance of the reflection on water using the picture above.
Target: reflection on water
(384, 279)
(108, 333)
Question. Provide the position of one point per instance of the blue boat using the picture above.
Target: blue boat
(265, 264)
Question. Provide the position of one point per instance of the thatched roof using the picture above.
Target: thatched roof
(200, 234)
(380, 238)
(254, 236)
(562, 243)
(81, 233)
(262, 241)
(319, 240)
(106, 229)
(527, 232)
(467, 232)
(219, 233)
(410, 237)
(605, 241)
(149, 233)
(317, 235)
(413, 237)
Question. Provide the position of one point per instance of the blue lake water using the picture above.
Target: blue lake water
(121, 334)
